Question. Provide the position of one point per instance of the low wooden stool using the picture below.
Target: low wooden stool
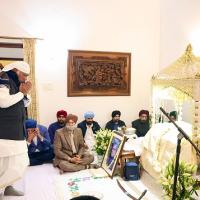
(122, 159)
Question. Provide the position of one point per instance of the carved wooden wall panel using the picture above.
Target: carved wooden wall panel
(92, 73)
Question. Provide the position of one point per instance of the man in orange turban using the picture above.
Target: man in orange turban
(60, 123)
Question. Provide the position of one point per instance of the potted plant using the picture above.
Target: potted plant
(187, 184)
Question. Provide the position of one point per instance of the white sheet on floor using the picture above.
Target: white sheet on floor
(45, 183)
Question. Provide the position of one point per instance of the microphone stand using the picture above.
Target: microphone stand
(178, 149)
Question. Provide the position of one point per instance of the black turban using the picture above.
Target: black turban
(116, 112)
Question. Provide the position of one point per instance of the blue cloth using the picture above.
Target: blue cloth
(41, 145)
(30, 123)
(4, 81)
(38, 158)
(52, 130)
(89, 114)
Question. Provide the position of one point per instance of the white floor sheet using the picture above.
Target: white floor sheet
(45, 183)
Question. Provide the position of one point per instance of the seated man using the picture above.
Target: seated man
(39, 147)
(89, 127)
(61, 121)
(142, 124)
(70, 153)
(115, 123)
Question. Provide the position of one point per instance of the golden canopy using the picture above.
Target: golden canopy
(183, 75)
(181, 80)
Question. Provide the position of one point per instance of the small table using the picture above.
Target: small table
(122, 159)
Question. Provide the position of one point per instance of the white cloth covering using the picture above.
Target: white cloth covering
(135, 145)
(160, 146)
(13, 161)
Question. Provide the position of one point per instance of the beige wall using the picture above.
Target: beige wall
(180, 25)
(106, 25)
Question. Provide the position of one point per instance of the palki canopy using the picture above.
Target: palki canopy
(179, 82)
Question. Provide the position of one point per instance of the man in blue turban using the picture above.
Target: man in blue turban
(89, 127)
(88, 123)
(39, 146)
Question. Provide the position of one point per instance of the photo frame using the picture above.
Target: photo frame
(96, 73)
(113, 152)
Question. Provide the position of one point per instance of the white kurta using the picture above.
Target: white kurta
(13, 161)
(89, 138)
(90, 141)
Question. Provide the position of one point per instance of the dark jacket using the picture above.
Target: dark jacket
(141, 127)
(83, 126)
(112, 126)
(12, 118)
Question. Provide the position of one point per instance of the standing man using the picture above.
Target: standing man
(142, 124)
(115, 123)
(14, 88)
(61, 121)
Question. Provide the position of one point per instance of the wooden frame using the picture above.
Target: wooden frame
(113, 152)
(94, 73)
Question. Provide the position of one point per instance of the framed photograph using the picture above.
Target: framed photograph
(96, 73)
(113, 152)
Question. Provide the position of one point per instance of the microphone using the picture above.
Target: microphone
(166, 114)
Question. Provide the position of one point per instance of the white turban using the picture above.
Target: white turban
(20, 65)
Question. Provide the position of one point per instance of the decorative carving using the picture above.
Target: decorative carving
(92, 73)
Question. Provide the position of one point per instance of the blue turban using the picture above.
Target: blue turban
(89, 114)
(30, 123)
